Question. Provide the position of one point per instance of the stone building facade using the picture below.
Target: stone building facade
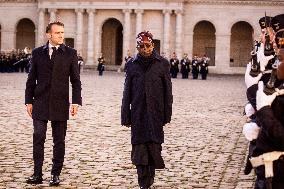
(222, 29)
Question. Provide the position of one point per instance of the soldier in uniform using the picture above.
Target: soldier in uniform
(195, 67)
(147, 107)
(127, 58)
(204, 67)
(185, 66)
(259, 64)
(101, 65)
(80, 62)
(174, 65)
(267, 156)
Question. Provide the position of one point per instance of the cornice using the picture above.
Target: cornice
(237, 2)
(18, 1)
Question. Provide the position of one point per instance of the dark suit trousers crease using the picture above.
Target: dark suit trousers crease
(58, 133)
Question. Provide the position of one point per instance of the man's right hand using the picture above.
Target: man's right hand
(29, 109)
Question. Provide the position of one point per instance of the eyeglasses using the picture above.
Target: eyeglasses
(148, 45)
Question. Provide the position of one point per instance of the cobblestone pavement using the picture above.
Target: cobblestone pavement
(204, 146)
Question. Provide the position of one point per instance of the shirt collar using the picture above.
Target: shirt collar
(50, 46)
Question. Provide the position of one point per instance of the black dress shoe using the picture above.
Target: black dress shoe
(34, 179)
(54, 180)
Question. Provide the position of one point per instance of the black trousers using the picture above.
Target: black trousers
(147, 157)
(58, 133)
(146, 175)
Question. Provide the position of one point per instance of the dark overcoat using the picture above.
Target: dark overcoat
(47, 86)
(147, 98)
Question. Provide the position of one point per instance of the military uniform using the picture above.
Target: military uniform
(174, 69)
(195, 68)
(101, 65)
(185, 67)
(270, 118)
(204, 68)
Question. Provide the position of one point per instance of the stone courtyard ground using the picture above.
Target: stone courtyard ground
(204, 146)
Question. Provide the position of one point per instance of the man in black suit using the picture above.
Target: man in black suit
(47, 98)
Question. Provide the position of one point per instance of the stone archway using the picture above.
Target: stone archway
(204, 40)
(241, 44)
(112, 40)
(0, 38)
(25, 36)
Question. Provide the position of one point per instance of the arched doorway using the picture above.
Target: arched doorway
(204, 40)
(112, 39)
(0, 38)
(241, 44)
(25, 36)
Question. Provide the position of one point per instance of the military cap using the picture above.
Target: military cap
(277, 22)
(279, 39)
(265, 22)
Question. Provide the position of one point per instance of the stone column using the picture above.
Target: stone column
(52, 13)
(222, 55)
(179, 33)
(126, 35)
(90, 51)
(41, 27)
(98, 43)
(139, 20)
(189, 42)
(167, 27)
(9, 34)
(79, 32)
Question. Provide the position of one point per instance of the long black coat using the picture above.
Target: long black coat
(147, 98)
(47, 86)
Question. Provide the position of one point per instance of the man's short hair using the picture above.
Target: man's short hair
(48, 27)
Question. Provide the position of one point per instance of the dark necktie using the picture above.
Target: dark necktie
(53, 53)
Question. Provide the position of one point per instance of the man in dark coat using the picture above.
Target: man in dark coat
(147, 107)
(47, 98)
(184, 66)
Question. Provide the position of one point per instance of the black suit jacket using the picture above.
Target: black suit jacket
(47, 86)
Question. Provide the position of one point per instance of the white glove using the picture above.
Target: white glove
(262, 59)
(251, 130)
(249, 110)
(249, 80)
(262, 99)
(280, 92)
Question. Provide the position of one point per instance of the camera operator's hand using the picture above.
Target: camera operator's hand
(262, 59)
(262, 99)
(249, 80)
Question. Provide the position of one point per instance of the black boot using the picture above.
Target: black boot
(35, 179)
(54, 180)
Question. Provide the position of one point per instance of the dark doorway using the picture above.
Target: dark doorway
(69, 42)
(25, 36)
(157, 45)
(0, 38)
(112, 40)
(204, 40)
(241, 44)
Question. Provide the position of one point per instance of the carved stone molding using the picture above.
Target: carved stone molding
(237, 2)
(18, 1)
